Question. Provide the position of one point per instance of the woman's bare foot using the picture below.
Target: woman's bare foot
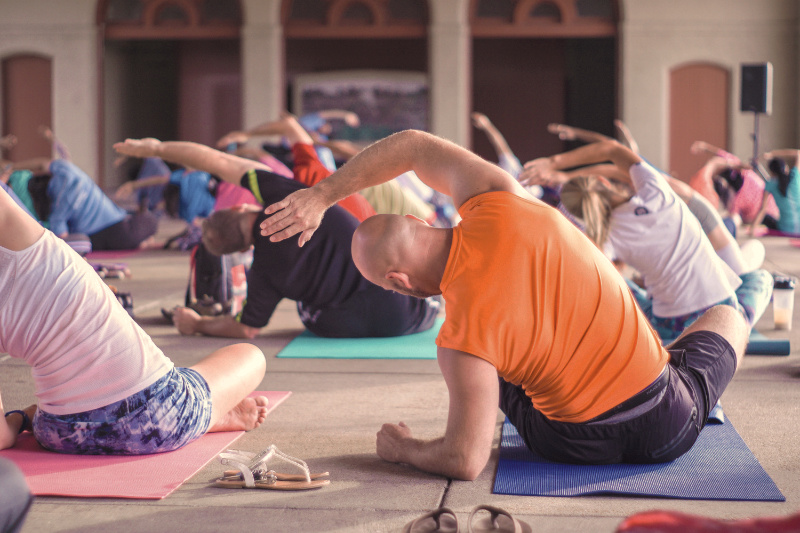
(249, 414)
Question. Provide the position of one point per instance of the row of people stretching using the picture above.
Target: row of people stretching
(537, 316)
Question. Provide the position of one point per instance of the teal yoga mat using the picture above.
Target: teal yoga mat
(415, 346)
(719, 466)
(761, 345)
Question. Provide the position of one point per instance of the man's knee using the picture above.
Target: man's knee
(727, 322)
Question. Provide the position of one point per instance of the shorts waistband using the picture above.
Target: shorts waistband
(642, 397)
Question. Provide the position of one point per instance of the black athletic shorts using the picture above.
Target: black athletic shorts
(372, 312)
(658, 424)
(127, 234)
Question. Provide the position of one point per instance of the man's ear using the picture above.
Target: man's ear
(399, 277)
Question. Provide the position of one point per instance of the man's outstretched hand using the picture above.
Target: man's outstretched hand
(300, 212)
(138, 147)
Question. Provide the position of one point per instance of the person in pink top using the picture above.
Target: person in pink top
(746, 185)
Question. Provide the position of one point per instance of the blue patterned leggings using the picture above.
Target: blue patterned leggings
(752, 299)
(165, 416)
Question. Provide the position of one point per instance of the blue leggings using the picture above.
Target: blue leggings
(165, 416)
(752, 298)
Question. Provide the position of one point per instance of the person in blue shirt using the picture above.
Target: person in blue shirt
(190, 194)
(784, 186)
(78, 205)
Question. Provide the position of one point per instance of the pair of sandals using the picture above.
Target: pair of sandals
(444, 520)
(253, 473)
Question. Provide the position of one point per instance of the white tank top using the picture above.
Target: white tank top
(57, 315)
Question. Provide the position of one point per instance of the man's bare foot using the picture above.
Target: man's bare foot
(249, 414)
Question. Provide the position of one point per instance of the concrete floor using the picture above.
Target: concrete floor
(338, 405)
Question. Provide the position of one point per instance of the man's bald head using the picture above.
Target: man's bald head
(386, 250)
(376, 245)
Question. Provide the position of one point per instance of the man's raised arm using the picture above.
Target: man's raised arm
(228, 167)
(442, 165)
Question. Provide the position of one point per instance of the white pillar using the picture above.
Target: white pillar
(262, 48)
(449, 70)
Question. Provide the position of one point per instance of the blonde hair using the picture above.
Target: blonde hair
(587, 198)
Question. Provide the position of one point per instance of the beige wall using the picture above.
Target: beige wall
(657, 36)
(64, 31)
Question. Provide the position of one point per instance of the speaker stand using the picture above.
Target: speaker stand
(754, 161)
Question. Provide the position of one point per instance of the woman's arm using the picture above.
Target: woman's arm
(791, 155)
(544, 170)
(128, 188)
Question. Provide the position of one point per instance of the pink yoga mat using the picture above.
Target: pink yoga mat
(147, 477)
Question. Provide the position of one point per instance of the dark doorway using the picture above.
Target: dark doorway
(523, 84)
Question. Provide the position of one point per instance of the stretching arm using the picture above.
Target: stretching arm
(228, 167)
(350, 118)
(128, 188)
(699, 147)
(570, 133)
(463, 451)
(287, 126)
(342, 148)
(440, 164)
(791, 155)
(544, 171)
(626, 136)
(482, 122)
(59, 148)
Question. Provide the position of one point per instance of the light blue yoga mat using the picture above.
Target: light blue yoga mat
(719, 466)
(416, 346)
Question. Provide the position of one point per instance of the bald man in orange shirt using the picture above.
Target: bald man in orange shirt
(531, 300)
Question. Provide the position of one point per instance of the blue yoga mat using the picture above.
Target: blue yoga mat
(719, 466)
(416, 346)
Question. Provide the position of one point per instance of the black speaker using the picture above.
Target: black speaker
(757, 88)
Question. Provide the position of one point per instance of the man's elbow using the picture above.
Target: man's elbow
(470, 466)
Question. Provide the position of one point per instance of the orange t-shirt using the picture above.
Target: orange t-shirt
(309, 171)
(526, 291)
